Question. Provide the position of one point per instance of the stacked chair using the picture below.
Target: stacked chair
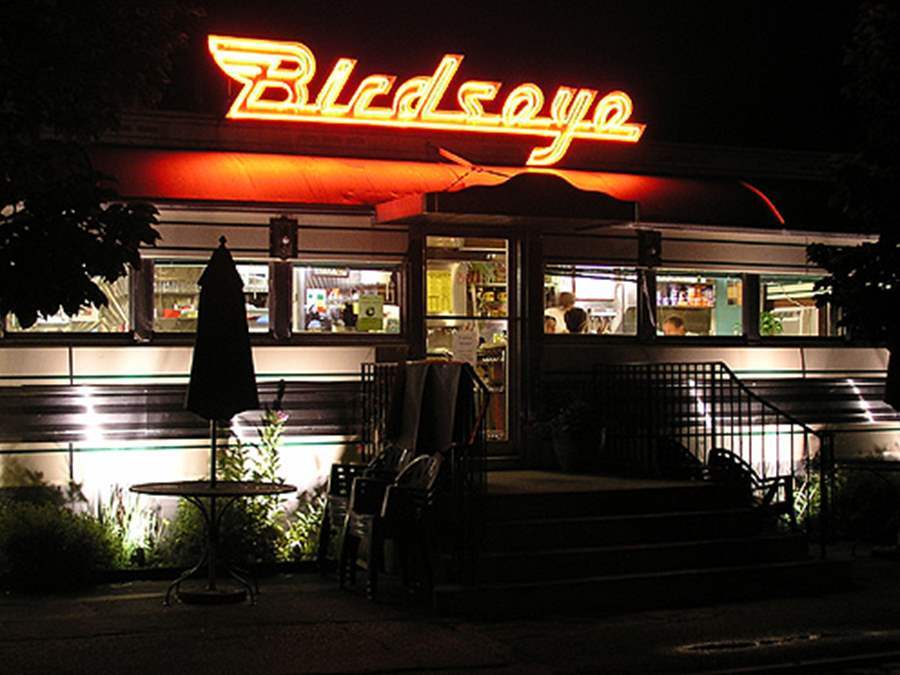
(396, 496)
(402, 511)
(383, 468)
(403, 431)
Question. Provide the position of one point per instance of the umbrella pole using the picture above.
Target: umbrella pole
(212, 454)
(213, 519)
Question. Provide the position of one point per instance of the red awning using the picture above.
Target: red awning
(243, 177)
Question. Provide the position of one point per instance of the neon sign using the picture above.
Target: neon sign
(275, 76)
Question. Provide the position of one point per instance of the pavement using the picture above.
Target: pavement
(303, 623)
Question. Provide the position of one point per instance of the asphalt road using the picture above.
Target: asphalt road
(304, 624)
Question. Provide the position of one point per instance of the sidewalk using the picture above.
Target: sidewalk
(305, 624)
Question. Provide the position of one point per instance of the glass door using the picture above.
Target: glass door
(467, 314)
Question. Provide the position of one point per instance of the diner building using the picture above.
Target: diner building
(364, 243)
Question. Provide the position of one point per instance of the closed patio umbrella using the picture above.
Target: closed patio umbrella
(223, 382)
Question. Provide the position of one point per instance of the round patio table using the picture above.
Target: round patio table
(195, 492)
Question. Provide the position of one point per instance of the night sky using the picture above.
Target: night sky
(740, 72)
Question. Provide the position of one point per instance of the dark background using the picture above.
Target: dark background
(732, 72)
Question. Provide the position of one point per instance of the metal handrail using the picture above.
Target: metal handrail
(742, 385)
(700, 406)
(826, 457)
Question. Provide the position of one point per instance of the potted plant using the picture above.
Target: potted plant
(577, 438)
(770, 324)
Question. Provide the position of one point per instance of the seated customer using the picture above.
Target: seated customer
(565, 302)
(674, 325)
(576, 320)
(549, 324)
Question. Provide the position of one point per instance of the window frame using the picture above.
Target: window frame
(609, 265)
(166, 336)
(749, 334)
(792, 339)
(79, 337)
(664, 271)
(400, 266)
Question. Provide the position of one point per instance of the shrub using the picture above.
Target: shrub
(866, 507)
(134, 528)
(576, 419)
(46, 547)
(301, 537)
(20, 483)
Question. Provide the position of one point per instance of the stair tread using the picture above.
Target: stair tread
(750, 540)
(611, 578)
(581, 491)
(620, 516)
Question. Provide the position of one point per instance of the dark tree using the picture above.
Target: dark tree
(67, 71)
(864, 280)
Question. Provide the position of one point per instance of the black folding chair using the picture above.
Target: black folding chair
(773, 495)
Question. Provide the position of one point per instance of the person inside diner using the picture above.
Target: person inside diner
(549, 324)
(565, 302)
(576, 320)
(674, 325)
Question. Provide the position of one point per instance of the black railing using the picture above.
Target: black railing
(467, 477)
(650, 411)
(377, 382)
(702, 406)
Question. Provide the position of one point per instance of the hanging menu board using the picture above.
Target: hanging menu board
(440, 291)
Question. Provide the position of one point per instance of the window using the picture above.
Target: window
(113, 318)
(342, 299)
(608, 296)
(176, 296)
(788, 308)
(467, 313)
(698, 303)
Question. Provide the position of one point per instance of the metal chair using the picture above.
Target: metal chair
(401, 511)
(774, 495)
(384, 468)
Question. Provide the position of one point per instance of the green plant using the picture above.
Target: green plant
(47, 547)
(134, 528)
(21, 483)
(302, 534)
(770, 324)
(252, 530)
(866, 506)
(574, 419)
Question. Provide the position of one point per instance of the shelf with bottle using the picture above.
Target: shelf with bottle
(687, 307)
(680, 295)
(168, 287)
(489, 298)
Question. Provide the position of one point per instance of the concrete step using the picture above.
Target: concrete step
(594, 531)
(698, 497)
(572, 563)
(630, 592)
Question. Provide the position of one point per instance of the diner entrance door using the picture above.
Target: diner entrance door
(471, 315)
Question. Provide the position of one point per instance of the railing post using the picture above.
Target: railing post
(714, 398)
(825, 451)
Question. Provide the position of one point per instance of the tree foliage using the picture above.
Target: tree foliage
(67, 71)
(869, 180)
(864, 280)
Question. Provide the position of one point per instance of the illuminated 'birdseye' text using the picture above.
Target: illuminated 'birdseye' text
(276, 75)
